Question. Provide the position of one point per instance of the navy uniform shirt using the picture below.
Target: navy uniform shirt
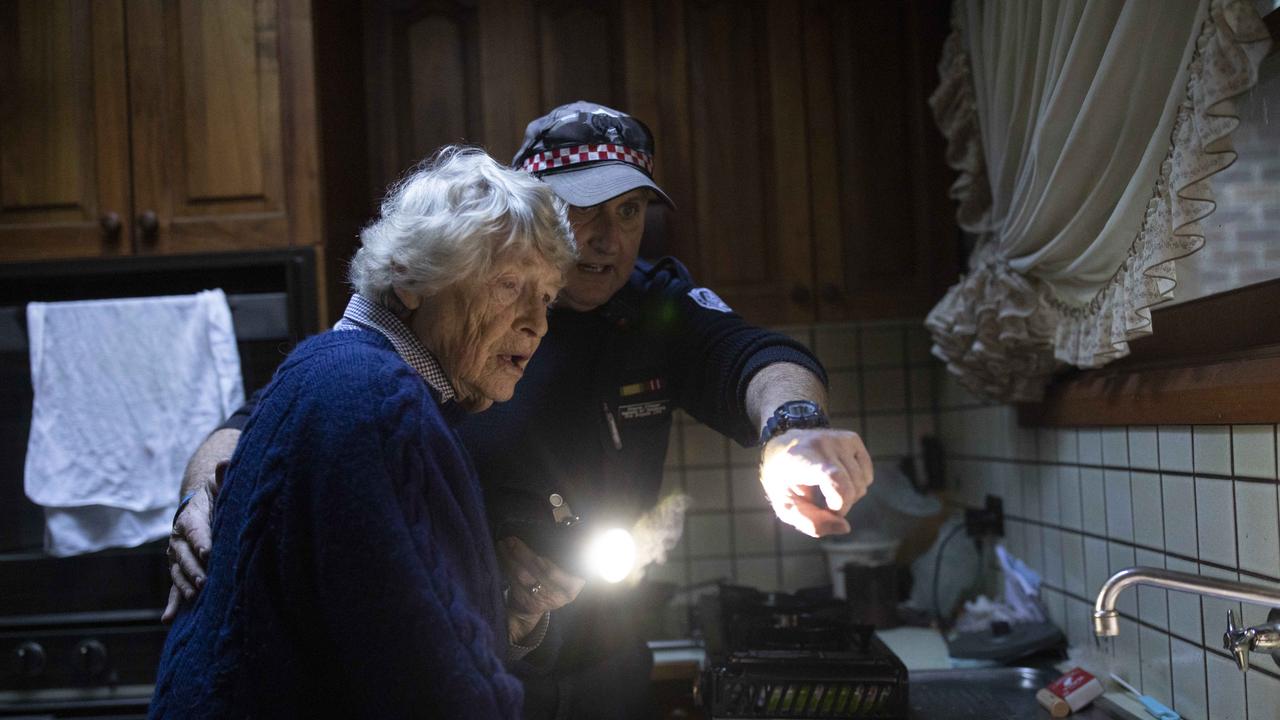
(590, 420)
(591, 417)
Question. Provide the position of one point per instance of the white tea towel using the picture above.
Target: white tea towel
(124, 392)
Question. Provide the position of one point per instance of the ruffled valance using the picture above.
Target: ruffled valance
(1034, 298)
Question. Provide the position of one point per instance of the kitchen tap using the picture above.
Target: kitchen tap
(1239, 642)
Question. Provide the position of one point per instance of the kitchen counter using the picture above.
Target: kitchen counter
(937, 691)
(993, 694)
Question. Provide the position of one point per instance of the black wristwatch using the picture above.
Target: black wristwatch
(793, 414)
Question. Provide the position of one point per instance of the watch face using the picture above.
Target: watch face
(798, 409)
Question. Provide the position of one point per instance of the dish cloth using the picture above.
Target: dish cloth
(125, 390)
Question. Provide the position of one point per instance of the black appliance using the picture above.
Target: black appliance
(81, 636)
(774, 655)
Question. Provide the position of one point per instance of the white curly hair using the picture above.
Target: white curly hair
(450, 218)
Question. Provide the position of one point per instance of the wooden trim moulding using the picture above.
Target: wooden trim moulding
(1211, 361)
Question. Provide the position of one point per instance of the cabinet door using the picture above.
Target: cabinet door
(64, 143)
(884, 236)
(733, 149)
(448, 71)
(422, 82)
(208, 125)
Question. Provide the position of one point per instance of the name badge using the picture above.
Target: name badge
(635, 411)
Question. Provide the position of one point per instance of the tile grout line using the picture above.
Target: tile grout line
(1133, 520)
(1131, 544)
(1195, 499)
(1090, 466)
(1236, 531)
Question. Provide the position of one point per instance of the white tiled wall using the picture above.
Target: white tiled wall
(1085, 502)
(882, 382)
(1081, 503)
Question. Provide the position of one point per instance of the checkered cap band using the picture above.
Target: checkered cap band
(582, 154)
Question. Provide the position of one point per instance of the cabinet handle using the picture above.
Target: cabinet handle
(801, 295)
(831, 293)
(150, 225)
(110, 223)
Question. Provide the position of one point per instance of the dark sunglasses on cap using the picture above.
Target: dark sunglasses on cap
(585, 133)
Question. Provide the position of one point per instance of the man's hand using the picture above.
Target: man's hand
(812, 478)
(192, 536)
(538, 586)
(190, 542)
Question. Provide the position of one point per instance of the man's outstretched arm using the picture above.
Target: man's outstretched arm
(811, 476)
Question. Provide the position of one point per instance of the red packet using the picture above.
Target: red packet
(1077, 688)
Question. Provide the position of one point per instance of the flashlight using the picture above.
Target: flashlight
(577, 546)
(611, 555)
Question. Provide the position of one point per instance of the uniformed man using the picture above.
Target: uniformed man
(629, 341)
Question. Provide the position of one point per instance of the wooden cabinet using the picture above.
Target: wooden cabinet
(883, 226)
(156, 126)
(64, 130)
(448, 71)
(794, 136)
(812, 170)
(734, 155)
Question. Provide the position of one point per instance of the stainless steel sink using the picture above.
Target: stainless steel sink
(990, 694)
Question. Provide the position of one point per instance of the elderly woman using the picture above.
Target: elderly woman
(352, 571)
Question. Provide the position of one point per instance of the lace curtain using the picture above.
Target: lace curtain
(1085, 133)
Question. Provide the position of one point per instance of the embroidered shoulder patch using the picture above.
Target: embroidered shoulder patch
(709, 300)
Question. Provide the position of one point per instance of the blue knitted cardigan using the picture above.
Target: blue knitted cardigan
(352, 572)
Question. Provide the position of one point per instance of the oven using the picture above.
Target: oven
(81, 636)
(776, 655)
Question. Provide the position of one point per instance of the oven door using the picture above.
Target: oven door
(81, 636)
(93, 652)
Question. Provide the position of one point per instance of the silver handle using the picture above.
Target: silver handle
(1237, 641)
(1242, 641)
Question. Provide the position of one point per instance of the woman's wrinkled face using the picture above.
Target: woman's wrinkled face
(483, 331)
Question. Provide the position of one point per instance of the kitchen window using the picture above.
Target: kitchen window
(1215, 355)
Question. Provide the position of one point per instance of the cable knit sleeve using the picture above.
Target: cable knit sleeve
(386, 524)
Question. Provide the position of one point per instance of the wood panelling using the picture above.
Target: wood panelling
(206, 125)
(730, 87)
(817, 186)
(45, 147)
(64, 162)
(422, 82)
(788, 234)
(340, 98)
(436, 49)
(794, 137)
(568, 34)
(883, 230)
(1214, 391)
(734, 169)
(448, 71)
(510, 94)
(222, 97)
(300, 119)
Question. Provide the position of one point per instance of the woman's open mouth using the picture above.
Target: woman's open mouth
(594, 269)
(516, 361)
